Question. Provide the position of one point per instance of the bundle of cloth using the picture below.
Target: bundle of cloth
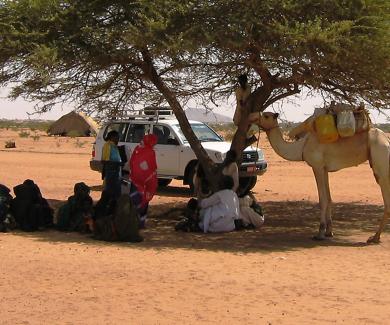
(116, 220)
(30, 210)
(74, 215)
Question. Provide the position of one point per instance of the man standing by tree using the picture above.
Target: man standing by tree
(112, 165)
(242, 93)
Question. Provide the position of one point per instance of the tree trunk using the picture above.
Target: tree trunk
(254, 103)
(208, 165)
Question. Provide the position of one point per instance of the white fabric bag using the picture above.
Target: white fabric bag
(346, 123)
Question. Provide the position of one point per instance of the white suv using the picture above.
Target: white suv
(175, 158)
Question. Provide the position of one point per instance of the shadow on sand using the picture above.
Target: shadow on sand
(171, 191)
(289, 226)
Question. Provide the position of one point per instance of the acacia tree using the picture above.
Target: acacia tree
(110, 56)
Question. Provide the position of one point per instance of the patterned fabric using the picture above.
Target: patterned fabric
(143, 168)
(110, 152)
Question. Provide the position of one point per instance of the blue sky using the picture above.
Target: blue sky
(299, 111)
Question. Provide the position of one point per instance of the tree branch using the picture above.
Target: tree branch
(290, 92)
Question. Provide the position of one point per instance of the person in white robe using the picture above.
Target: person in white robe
(219, 211)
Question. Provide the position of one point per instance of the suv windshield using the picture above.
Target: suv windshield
(202, 132)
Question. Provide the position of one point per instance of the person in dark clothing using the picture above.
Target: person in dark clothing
(30, 210)
(112, 163)
(105, 206)
(73, 215)
(5, 201)
(122, 225)
(201, 184)
(191, 218)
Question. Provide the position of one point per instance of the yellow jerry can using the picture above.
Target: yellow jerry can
(326, 130)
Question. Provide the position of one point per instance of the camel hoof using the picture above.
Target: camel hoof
(318, 237)
(373, 240)
(330, 234)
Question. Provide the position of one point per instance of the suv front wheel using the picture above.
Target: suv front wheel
(162, 182)
(246, 184)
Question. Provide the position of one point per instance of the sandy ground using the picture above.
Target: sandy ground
(275, 275)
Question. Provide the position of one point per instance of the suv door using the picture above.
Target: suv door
(135, 134)
(121, 128)
(167, 151)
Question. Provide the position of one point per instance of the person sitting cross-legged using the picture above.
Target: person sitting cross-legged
(219, 211)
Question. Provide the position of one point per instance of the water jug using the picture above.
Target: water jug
(326, 130)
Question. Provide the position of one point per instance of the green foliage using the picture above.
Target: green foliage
(109, 57)
(33, 125)
(91, 51)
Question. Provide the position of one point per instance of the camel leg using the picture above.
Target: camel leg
(329, 222)
(321, 176)
(385, 189)
(379, 152)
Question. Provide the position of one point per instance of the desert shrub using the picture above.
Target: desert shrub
(24, 134)
(35, 137)
(228, 136)
(10, 144)
(25, 124)
(225, 130)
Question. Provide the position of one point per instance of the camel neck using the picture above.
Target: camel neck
(288, 150)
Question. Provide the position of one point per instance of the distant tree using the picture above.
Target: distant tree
(110, 56)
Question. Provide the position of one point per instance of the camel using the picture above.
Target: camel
(372, 145)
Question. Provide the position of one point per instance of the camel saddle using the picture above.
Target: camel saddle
(362, 121)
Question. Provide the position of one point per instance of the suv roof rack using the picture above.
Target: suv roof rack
(156, 111)
(150, 113)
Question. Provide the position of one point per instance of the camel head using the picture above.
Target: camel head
(268, 121)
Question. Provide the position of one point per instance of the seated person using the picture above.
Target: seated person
(121, 225)
(201, 184)
(160, 135)
(74, 214)
(230, 168)
(5, 201)
(30, 210)
(220, 210)
(189, 223)
(249, 216)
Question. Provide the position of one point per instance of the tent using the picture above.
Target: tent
(73, 123)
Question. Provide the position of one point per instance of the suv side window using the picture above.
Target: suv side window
(136, 132)
(164, 134)
(121, 128)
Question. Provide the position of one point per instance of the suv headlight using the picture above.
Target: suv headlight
(220, 156)
(260, 154)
